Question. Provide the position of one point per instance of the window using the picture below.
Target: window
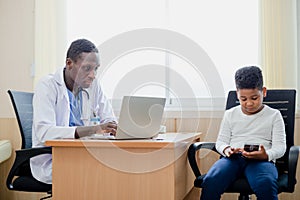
(226, 32)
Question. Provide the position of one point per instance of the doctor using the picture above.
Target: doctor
(65, 102)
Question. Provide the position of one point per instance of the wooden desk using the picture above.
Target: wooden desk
(128, 169)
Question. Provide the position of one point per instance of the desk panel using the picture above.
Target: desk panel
(135, 169)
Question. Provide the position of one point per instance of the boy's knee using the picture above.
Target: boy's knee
(208, 181)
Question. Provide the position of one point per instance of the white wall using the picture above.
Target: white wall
(16, 49)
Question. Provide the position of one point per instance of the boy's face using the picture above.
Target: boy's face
(251, 100)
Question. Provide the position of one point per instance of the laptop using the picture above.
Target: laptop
(140, 118)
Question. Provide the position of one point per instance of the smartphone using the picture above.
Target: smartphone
(251, 147)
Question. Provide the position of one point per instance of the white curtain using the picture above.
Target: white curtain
(278, 28)
(50, 36)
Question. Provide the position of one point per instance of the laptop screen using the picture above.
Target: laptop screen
(140, 117)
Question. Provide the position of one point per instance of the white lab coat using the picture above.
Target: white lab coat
(51, 113)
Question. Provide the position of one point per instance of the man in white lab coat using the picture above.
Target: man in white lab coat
(65, 102)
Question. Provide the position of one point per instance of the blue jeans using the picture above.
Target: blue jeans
(261, 175)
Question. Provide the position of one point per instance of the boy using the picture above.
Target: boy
(250, 122)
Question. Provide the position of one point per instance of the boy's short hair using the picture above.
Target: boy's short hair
(80, 46)
(249, 77)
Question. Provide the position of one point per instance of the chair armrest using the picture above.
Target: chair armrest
(23, 156)
(192, 154)
(293, 160)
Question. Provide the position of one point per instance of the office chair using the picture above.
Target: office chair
(20, 177)
(284, 101)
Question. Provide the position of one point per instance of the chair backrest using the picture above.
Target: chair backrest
(284, 101)
(22, 104)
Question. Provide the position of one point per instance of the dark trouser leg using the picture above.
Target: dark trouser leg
(262, 177)
(220, 176)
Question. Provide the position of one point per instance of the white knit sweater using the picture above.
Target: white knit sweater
(265, 127)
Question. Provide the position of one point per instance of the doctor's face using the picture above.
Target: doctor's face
(84, 69)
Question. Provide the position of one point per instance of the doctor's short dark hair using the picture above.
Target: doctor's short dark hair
(80, 46)
(249, 77)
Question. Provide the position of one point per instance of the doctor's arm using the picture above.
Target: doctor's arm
(82, 131)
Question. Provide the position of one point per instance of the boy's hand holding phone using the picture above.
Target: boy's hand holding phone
(254, 152)
(251, 147)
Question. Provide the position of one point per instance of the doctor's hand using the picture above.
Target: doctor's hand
(109, 127)
(259, 155)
